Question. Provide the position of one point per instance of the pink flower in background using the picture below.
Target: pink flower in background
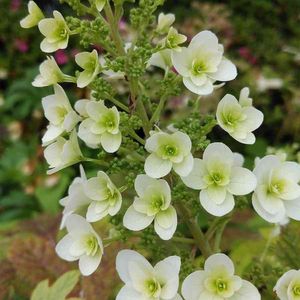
(61, 57)
(15, 5)
(247, 55)
(21, 45)
(122, 25)
(74, 52)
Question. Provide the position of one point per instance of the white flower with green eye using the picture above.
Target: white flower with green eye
(89, 62)
(152, 204)
(34, 17)
(63, 153)
(168, 151)
(164, 22)
(60, 114)
(50, 74)
(100, 4)
(101, 125)
(56, 32)
(277, 194)
(218, 282)
(161, 59)
(144, 282)
(173, 40)
(82, 243)
(288, 286)
(239, 118)
(106, 198)
(219, 176)
(201, 64)
(76, 201)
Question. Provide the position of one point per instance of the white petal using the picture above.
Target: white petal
(215, 209)
(63, 247)
(238, 159)
(281, 287)
(185, 167)
(254, 118)
(226, 71)
(242, 181)
(97, 210)
(205, 39)
(142, 182)
(291, 171)
(264, 166)
(219, 260)
(89, 264)
(204, 89)
(136, 221)
(163, 232)
(156, 167)
(80, 107)
(217, 194)
(166, 218)
(76, 223)
(293, 209)
(218, 150)
(71, 121)
(195, 178)
(182, 61)
(96, 187)
(128, 293)
(111, 142)
(193, 285)
(52, 133)
(247, 291)
(123, 259)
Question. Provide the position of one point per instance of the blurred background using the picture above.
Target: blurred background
(262, 37)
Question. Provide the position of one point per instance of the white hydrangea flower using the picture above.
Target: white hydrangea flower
(59, 113)
(76, 200)
(164, 22)
(101, 125)
(89, 61)
(81, 243)
(142, 281)
(288, 286)
(100, 4)
(168, 151)
(50, 74)
(173, 40)
(239, 118)
(277, 194)
(161, 59)
(219, 176)
(218, 282)
(63, 153)
(34, 17)
(202, 64)
(152, 204)
(56, 32)
(106, 198)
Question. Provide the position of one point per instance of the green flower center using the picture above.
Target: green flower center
(199, 67)
(91, 245)
(296, 290)
(170, 150)
(277, 187)
(61, 112)
(215, 178)
(232, 118)
(157, 202)
(63, 32)
(152, 287)
(221, 285)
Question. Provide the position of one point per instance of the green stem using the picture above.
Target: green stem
(96, 161)
(195, 230)
(197, 104)
(219, 234)
(156, 115)
(136, 137)
(118, 103)
(132, 153)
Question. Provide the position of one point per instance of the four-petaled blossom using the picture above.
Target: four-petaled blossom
(219, 178)
(278, 191)
(239, 118)
(142, 281)
(218, 282)
(202, 64)
(89, 61)
(288, 286)
(161, 59)
(106, 198)
(173, 40)
(50, 74)
(77, 200)
(101, 125)
(63, 153)
(164, 22)
(81, 243)
(100, 4)
(60, 114)
(34, 17)
(168, 151)
(56, 32)
(153, 203)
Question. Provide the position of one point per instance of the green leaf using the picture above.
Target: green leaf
(41, 292)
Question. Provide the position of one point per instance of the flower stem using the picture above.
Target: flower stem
(156, 114)
(118, 103)
(96, 161)
(195, 230)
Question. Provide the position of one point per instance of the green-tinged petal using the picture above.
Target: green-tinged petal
(156, 167)
(136, 221)
(111, 142)
(242, 181)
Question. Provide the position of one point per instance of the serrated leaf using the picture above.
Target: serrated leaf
(41, 292)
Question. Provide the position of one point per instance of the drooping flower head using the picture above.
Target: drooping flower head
(142, 281)
(168, 151)
(201, 64)
(277, 194)
(288, 286)
(219, 177)
(81, 243)
(35, 15)
(56, 32)
(239, 118)
(100, 126)
(173, 40)
(60, 114)
(164, 22)
(217, 281)
(152, 204)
